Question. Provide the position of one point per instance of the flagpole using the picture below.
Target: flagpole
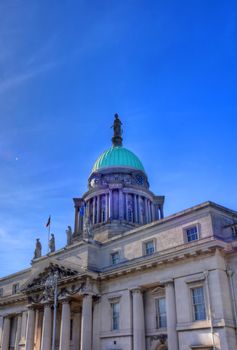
(48, 236)
(49, 223)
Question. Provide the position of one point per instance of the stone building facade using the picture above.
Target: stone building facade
(128, 278)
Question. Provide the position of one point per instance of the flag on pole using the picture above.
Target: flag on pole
(48, 222)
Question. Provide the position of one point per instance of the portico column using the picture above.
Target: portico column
(65, 326)
(138, 320)
(6, 333)
(171, 315)
(86, 325)
(30, 329)
(18, 332)
(47, 328)
(77, 329)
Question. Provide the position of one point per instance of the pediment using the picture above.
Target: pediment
(65, 270)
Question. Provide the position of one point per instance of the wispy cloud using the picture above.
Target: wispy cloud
(7, 238)
(19, 78)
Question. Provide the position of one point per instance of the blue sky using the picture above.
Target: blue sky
(167, 67)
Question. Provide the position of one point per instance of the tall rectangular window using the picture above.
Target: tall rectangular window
(149, 248)
(198, 300)
(161, 321)
(115, 316)
(192, 234)
(15, 288)
(115, 258)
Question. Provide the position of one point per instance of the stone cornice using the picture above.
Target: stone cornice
(158, 259)
(16, 274)
(12, 299)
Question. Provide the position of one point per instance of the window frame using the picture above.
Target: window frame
(153, 240)
(158, 314)
(113, 262)
(189, 227)
(112, 305)
(15, 288)
(192, 287)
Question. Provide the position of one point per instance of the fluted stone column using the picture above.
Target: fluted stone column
(126, 206)
(30, 329)
(138, 320)
(76, 224)
(6, 333)
(110, 204)
(140, 210)
(76, 329)
(93, 211)
(107, 206)
(98, 209)
(65, 326)
(135, 208)
(18, 332)
(121, 209)
(161, 211)
(153, 212)
(171, 315)
(86, 325)
(149, 210)
(47, 328)
(146, 210)
(80, 219)
(157, 212)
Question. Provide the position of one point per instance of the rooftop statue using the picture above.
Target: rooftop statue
(69, 235)
(117, 138)
(38, 249)
(52, 243)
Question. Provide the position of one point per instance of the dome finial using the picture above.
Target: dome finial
(117, 139)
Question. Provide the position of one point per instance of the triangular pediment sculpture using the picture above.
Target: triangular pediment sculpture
(65, 270)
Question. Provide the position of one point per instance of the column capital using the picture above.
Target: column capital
(31, 307)
(87, 294)
(7, 316)
(65, 301)
(168, 282)
(47, 304)
(137, 290)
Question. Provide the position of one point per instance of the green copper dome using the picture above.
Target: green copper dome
(118, 156)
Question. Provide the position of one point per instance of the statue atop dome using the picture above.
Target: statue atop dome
(117, 138)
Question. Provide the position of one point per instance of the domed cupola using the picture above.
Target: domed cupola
(118, 197)
(119, 161)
